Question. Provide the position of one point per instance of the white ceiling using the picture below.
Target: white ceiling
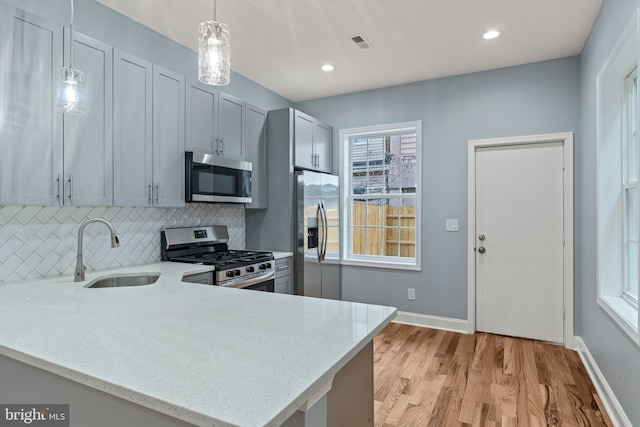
(281, 44)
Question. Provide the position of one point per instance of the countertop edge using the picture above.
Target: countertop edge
(308, 393)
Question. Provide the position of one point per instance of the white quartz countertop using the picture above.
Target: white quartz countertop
(203, 354)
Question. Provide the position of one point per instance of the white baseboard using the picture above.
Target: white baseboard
(609, 400)
(435, 322)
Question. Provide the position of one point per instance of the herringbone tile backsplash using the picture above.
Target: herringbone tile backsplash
(40, 241)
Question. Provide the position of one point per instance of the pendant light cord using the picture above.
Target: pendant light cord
(215, 10)
(71, 38)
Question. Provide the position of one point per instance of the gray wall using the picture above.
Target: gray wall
(529, 99)
(102, 23)
(617, 357)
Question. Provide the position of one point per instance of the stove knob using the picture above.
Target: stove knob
(236, 272)
(250, 269)
(268, 265)
(230, 273)
(262, 266)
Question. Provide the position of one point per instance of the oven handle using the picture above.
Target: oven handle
(242, 283)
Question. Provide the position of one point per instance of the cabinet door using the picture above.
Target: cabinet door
(132, 130)
(168, 137)
(231, 119)
(30, 126)
(303, 137)
(283, 285)
(88, 140)
(322, 146)
(256, 131)
(202, 115)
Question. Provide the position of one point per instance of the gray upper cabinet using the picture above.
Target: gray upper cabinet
(323, 146)
(215, 122)
(30, 126)
(256, 147)
(149, 143)
(231, 119)
(132, 130)
(312, 143)
(303, 140)
(202, 118)
(88, 140)
(168, 137)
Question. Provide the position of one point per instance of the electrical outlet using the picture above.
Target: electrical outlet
(452, 225)
(412, 294)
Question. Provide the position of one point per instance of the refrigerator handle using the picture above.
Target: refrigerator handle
(325, 237)
(320, 219)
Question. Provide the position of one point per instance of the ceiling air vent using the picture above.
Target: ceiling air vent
(360, 41)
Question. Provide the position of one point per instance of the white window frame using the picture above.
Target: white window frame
(630, 124)
(612, 183)
(345, 167)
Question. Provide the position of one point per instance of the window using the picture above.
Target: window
(630, 185)
(618, 194)
(381, 179)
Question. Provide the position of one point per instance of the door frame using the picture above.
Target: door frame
(566, 138)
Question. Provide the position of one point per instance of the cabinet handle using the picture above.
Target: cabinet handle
(70, 181)
(150, 194)
(217, 147)
(222, 144)
(58, 188)
(283, 267)
(157, 193)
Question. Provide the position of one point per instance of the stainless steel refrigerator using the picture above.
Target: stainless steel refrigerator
(318, 234)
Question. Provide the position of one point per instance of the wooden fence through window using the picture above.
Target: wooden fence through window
(384, 230)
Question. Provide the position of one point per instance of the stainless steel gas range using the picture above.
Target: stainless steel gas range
(253, 270)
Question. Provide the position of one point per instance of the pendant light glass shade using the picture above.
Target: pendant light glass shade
(214, 60)
(70, 94)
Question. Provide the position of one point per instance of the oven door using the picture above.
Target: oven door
(215, 179)
(268, 286)
(262, 282)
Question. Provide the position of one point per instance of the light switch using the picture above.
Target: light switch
(452, 225)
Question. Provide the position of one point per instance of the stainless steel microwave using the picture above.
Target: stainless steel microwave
(214, 179)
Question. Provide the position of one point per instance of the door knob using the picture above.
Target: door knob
(482, 250)
(481, 237)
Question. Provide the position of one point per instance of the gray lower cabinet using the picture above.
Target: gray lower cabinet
(256, 132)
(88, 141)
(30, 126)
(200, 278)
(168, 138)
(284, 280)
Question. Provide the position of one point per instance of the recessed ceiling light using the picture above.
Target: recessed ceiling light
(327, 67)
(491, 34)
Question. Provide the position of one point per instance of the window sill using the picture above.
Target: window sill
(623, 313)
(381, 264)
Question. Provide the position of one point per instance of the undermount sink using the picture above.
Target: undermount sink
(125, 280)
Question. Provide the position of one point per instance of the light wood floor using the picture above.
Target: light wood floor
(426, 377)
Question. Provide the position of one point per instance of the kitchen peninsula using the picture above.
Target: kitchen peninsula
(177, 354)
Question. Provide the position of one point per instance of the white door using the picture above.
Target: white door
(519, 240)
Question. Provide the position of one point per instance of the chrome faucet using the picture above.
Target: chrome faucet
(79, 276)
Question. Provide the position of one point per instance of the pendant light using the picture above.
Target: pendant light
(214, 52)
(70, 94)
